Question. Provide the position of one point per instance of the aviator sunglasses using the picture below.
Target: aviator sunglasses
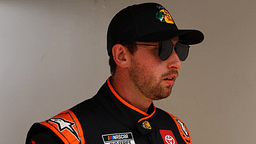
(165, 49)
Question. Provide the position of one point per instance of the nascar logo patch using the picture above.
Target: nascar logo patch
(118, 138)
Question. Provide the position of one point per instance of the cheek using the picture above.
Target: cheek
(158, 71)
(151, 63)
(154, 68)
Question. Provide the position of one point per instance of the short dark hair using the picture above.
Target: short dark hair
(132, 48)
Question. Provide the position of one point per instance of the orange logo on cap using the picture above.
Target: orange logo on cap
(167, 17)
(164, 16)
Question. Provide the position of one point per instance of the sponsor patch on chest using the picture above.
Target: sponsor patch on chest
(118, 138)
(168, 137)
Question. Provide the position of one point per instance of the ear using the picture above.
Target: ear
(121, 55)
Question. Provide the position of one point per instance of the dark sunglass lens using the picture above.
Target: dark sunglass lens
(182, 49)
(165, 50)
(160, 49)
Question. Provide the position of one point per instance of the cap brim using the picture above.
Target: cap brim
(191, 36)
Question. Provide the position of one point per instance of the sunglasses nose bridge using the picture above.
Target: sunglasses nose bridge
(174, 61)
(165, 49)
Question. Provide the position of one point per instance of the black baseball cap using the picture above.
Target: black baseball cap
(147, 22)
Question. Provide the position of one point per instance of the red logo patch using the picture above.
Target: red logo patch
(33, 142)
(168, 137)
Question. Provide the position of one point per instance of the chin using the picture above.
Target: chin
(161, 97)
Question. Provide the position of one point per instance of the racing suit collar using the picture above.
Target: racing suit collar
(124, 112)
(151, 109)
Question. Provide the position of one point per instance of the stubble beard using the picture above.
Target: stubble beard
(147, 83)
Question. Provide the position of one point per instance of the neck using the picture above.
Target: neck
(127, 91)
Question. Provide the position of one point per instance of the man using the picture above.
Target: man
(146, 49)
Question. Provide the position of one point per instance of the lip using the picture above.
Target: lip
(170, 80)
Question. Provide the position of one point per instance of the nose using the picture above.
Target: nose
(174, 61)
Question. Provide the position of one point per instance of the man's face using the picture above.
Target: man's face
(154, 78)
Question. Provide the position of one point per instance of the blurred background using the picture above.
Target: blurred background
(53, 56)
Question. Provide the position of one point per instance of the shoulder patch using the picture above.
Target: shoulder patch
(168, 137)
(67, 127)
(183, 130)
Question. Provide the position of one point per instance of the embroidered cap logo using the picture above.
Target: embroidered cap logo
(164, 16)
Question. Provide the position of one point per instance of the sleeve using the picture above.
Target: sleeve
(43, 138)
(183, 130)
(39, 134)
(63, 128)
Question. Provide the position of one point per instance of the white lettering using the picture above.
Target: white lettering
(120, 136)
(121, 142)
(183, 127)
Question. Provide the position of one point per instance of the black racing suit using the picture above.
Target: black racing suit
(107, 119)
